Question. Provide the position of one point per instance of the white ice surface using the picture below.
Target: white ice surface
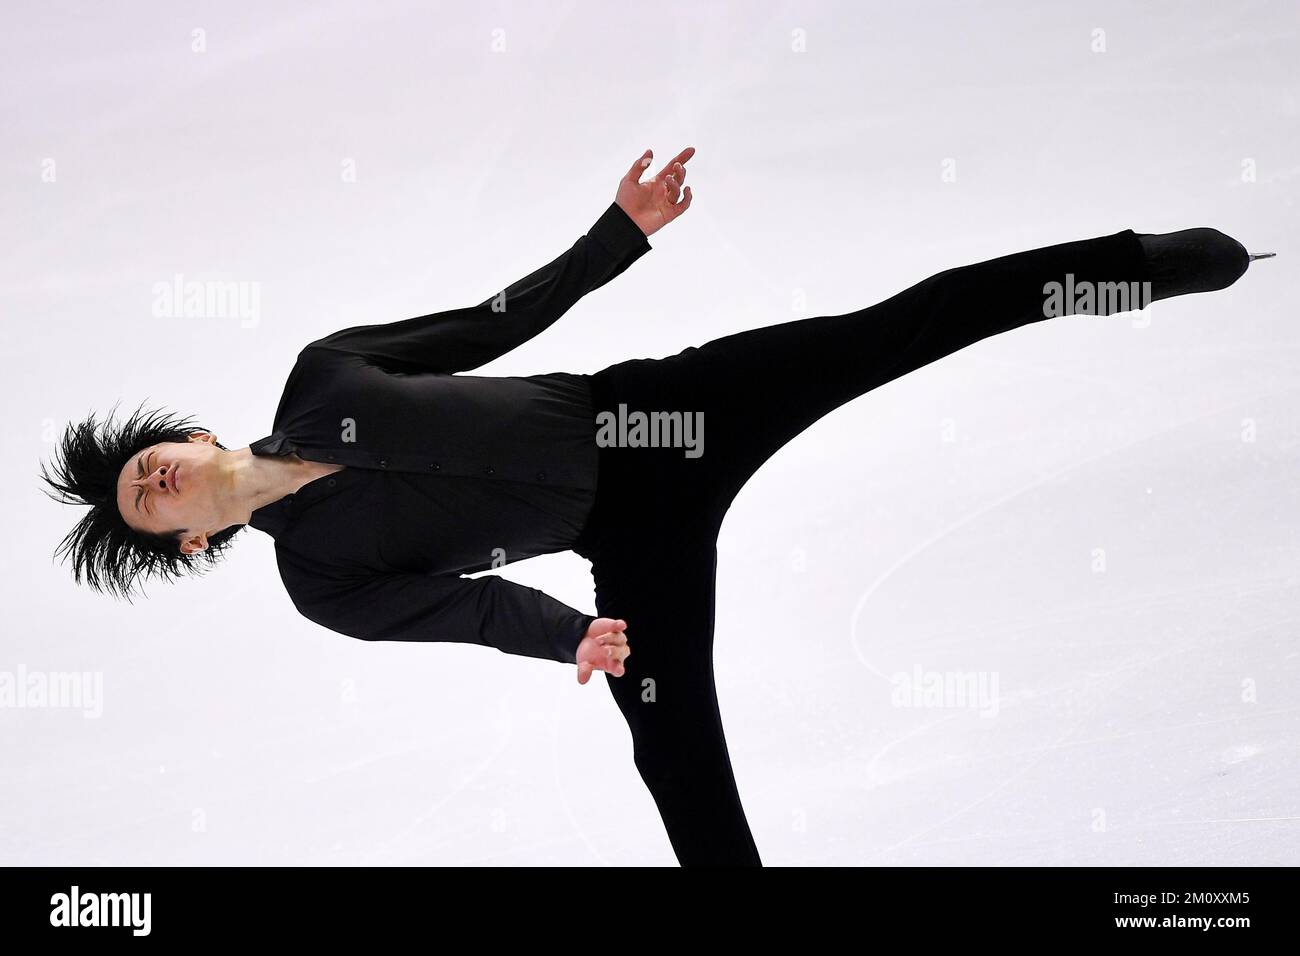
(1098, 513)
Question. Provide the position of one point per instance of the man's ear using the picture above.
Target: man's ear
(208, 437)
(195, 543)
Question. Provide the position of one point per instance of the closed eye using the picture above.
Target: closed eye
(140, 473)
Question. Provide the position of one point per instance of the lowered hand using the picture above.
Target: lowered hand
(604, 648)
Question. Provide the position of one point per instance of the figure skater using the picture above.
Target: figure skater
(389, 474)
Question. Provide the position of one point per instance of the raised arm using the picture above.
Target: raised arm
(460, 340)
(489, 611)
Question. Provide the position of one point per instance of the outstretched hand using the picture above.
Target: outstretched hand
(653, 204)
(603, 648)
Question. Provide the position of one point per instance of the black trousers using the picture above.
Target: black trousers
(652, 533)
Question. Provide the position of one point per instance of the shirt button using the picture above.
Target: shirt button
(541, 476)
(491, 470)
(331, 482)
(435, 466)
(383, 463)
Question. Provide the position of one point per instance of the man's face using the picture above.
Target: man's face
(174, 486)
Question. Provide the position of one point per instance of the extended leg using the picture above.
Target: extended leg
(759, 388)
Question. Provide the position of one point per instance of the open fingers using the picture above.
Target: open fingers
(681, 157)
(643, 161)
(675, 209)
(672, 188)
(675, 177)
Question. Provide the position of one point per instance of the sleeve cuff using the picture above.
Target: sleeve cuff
(618, 234)
(570, 637)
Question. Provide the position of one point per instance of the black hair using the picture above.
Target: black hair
(107, 553)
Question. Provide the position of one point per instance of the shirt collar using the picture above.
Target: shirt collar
(271, 519)
(276, 443)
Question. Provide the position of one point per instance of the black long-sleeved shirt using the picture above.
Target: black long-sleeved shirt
(447, 474)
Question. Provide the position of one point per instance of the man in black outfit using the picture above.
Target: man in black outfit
(389, 473)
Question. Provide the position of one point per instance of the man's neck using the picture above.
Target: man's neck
(258, 480)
